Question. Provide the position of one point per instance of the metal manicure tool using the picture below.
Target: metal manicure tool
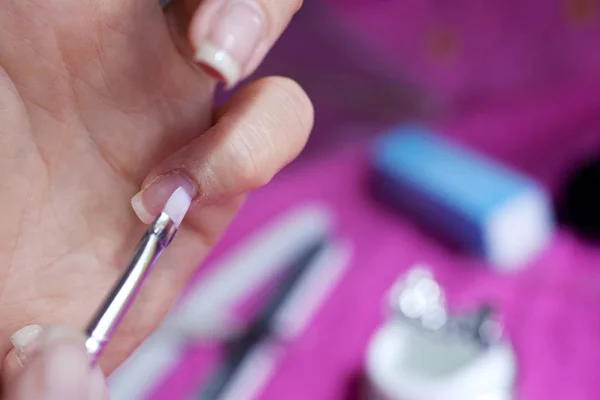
(419, 301)
(427, 350)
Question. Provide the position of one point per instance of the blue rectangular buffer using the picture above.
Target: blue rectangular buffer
(486, 207)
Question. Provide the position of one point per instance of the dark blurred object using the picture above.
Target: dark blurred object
(580, 207)
(260, 329)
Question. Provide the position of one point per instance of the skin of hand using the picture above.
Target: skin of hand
(100, 99)
(56, 367)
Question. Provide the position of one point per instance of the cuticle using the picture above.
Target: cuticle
(178, 171)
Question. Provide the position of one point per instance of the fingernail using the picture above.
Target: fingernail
(24, 342)
(225, 48)
(149, 203)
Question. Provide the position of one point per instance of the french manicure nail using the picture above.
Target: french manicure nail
(225, 48)
(149, 203)
(178, 205)
(24, 342)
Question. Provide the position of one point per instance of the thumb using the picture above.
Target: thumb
(56, 366)
(258, 132)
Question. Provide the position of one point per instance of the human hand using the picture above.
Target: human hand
(99, 98)
(55, 366)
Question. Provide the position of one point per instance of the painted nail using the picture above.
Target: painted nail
(178, 205)
(149, 203)
(230, 41)
(24, 342)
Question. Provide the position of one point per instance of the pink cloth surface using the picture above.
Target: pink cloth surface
(551, 308)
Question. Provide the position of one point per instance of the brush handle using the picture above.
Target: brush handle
(119, 300)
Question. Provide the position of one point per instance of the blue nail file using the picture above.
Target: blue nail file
(486, 207)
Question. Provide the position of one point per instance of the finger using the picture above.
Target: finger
(55, 366)
(259, 131)
(24, 343)
(231, 37)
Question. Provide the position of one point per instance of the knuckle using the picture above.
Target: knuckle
(252, 175)
(295, 102)
(251, 161)
(264, 141)
(258, 180)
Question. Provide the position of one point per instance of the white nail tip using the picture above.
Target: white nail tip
(219, 60)
(140, 210)
(178, 205)
(24, 336)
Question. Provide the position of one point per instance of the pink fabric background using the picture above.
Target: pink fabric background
(502, 47)
(508, 52)
(552, 308)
